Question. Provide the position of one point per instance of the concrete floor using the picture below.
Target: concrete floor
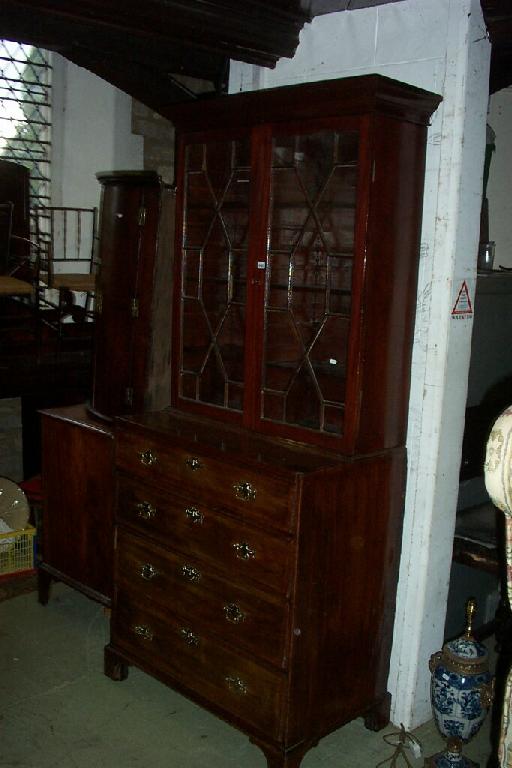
(58, 710)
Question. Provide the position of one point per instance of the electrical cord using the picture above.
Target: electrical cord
(401, 740)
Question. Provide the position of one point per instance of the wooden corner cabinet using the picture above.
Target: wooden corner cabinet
(259, 518)
(133, 299)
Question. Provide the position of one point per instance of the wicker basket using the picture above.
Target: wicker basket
(17, 551)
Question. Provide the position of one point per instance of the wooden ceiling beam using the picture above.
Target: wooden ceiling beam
(160, 38)
(256, 31)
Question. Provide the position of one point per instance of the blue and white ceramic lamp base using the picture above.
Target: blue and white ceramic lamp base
(461, 692)
(449, 758)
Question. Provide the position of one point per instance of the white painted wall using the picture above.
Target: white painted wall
(91, 133)
(441, 46)
(499, 189)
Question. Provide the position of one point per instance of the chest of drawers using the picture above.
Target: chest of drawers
(252, 576)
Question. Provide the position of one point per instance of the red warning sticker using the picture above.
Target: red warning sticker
(462, 307)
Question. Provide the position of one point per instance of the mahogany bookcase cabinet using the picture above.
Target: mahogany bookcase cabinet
(259, 518)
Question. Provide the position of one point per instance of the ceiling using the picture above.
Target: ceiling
(498, 18)
(166, 51)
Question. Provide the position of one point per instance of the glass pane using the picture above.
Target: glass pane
(230, 342)
(212, 381)
(215, 242)
(308, 292)
(303, 400)
(235, 210)
(284, 351)
(200, 204)
(196, 337)
(191, 267)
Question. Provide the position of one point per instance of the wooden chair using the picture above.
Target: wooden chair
(14, 214)
(17, 295)
(6, 211)
(67, 240)
(17, 279)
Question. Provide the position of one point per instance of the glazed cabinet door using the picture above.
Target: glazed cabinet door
(308, 300)
(213, 293)
(271, 238)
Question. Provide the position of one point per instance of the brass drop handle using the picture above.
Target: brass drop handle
(143, 631)
(148, 572)
(148, 458)
(237, 685)
(193, 463)
(189, 637)
(233, 613)
(244, 551)
(189, 573)
(470, 615)
(194, 515)
(245, 491)
(145, 510)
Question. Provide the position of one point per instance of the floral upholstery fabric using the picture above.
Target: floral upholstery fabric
(498, 481)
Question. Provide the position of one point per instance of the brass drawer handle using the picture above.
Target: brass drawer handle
(237, 685)
(148, 572)
(244, 551)
(245, 491)
(193, 463)
(143, 631)
(189, 637)
(194, 515)
(148, 458)
(233, 613)
(189, 573)
(145, 510)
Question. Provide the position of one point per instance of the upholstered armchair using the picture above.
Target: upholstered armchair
(498, 481)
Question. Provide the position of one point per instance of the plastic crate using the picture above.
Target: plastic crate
(17, 551)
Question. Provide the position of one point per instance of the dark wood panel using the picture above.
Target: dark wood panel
(78, 498)
(392, 258)
(349, 553)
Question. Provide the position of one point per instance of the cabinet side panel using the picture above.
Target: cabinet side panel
(157, 392)
(391, 282)
(78, 501)
(119, 249)
(349, 551)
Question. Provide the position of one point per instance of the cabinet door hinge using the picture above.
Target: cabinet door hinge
(142, 216)
(135, 308)
(128, 396)
(99, 303)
